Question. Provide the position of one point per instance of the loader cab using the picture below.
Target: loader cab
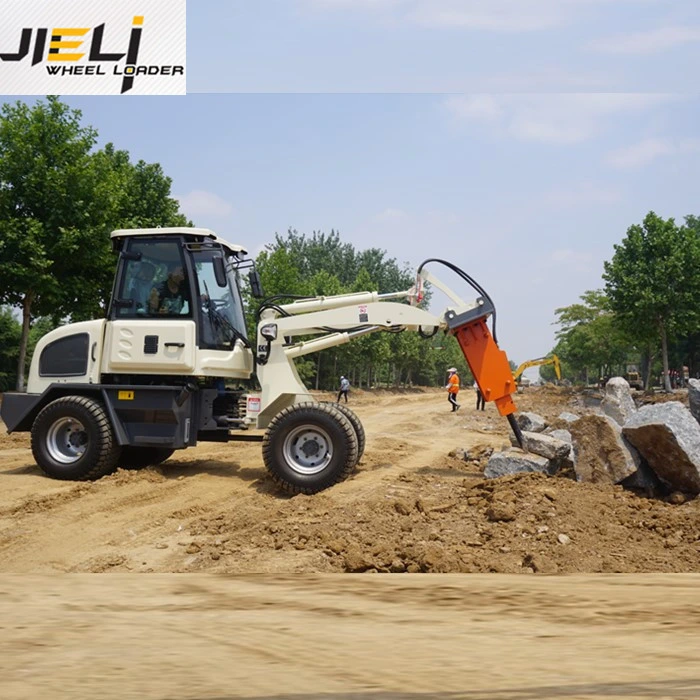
(176, 305)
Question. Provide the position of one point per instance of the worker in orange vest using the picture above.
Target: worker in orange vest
(453, 388)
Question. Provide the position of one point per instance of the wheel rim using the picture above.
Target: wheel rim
(308, 449)
(66, 440)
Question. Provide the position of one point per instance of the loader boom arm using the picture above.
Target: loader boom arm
(335, 320)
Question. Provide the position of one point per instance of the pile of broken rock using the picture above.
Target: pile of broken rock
(655, 447)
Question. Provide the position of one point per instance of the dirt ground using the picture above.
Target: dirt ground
(412, 506)
(339, 637)
(279, 630)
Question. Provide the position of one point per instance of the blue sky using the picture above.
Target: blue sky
(517, 139)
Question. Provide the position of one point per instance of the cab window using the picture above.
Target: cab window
(155, 285)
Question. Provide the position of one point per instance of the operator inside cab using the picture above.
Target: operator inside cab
(172, 295)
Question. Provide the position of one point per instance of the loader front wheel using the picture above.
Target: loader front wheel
(309, 447)
(356, 424)
(72, 439)
(141, 457)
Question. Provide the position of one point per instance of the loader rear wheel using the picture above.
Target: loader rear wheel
(140, 457)
(356, 424)
(72, 439)
(309, 447)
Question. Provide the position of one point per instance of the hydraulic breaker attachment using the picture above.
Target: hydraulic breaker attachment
(487, 362)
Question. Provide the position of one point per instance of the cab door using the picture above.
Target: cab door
(143, 335)
(153, 346)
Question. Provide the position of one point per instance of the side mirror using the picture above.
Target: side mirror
(255, 284)
(219, 271)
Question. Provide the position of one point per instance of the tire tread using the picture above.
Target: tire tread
(351, 443)
(109, 450)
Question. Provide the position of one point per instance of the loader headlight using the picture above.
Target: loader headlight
(269, 332)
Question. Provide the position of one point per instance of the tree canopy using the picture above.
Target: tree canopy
(59, 199)
(320, 264)
(653, 281)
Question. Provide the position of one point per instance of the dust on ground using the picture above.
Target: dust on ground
(412, 506)
(338, 637)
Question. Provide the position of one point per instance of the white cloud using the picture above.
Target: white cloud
(660, 39)
(647, 151)
(495, 15)
(201, 203)
(391, 215)
(506, 16)
(639, 154)
(551, 118)
(689, 145)
(477, 107)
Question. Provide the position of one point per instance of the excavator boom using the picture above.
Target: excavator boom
(551, 360)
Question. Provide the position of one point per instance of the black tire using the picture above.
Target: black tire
(72, 439)
(356, 424)
(331, 454)
(140, 457)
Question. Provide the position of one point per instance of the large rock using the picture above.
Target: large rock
(694, 398)
(568, 417)
(602, 454)
(531, 422)
(562, 434)
(645, 479)
(618, 402)
(668, 437)
(514, 462)
(545, 445)
(569, 460)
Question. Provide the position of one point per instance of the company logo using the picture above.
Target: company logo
(109, 55)
(62, 49)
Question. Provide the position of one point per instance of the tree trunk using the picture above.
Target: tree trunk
(24, 340)
(645, 367)
(650, 356)
(664, 355)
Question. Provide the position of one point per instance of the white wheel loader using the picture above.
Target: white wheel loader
(152, 376)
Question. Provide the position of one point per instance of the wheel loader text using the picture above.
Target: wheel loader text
(117, 70)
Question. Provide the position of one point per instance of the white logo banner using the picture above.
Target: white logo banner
(85, 47)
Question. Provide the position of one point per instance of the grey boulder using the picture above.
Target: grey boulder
(668, 437)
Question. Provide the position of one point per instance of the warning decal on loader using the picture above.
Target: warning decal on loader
(125, 396)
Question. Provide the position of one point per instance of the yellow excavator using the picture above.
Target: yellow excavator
(549, 360)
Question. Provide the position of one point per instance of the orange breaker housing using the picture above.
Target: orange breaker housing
(487, 362)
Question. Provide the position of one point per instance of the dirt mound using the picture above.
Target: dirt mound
(524, 523)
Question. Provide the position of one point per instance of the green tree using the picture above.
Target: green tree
(10, 332)
(46, 207)
(58, 202)
(653, 281)
(139, 197)
(590, 338)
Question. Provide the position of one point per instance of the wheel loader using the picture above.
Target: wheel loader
(130, 389)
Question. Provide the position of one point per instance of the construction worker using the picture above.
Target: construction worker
(480, 401)
(344, 388)
(452, 387)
